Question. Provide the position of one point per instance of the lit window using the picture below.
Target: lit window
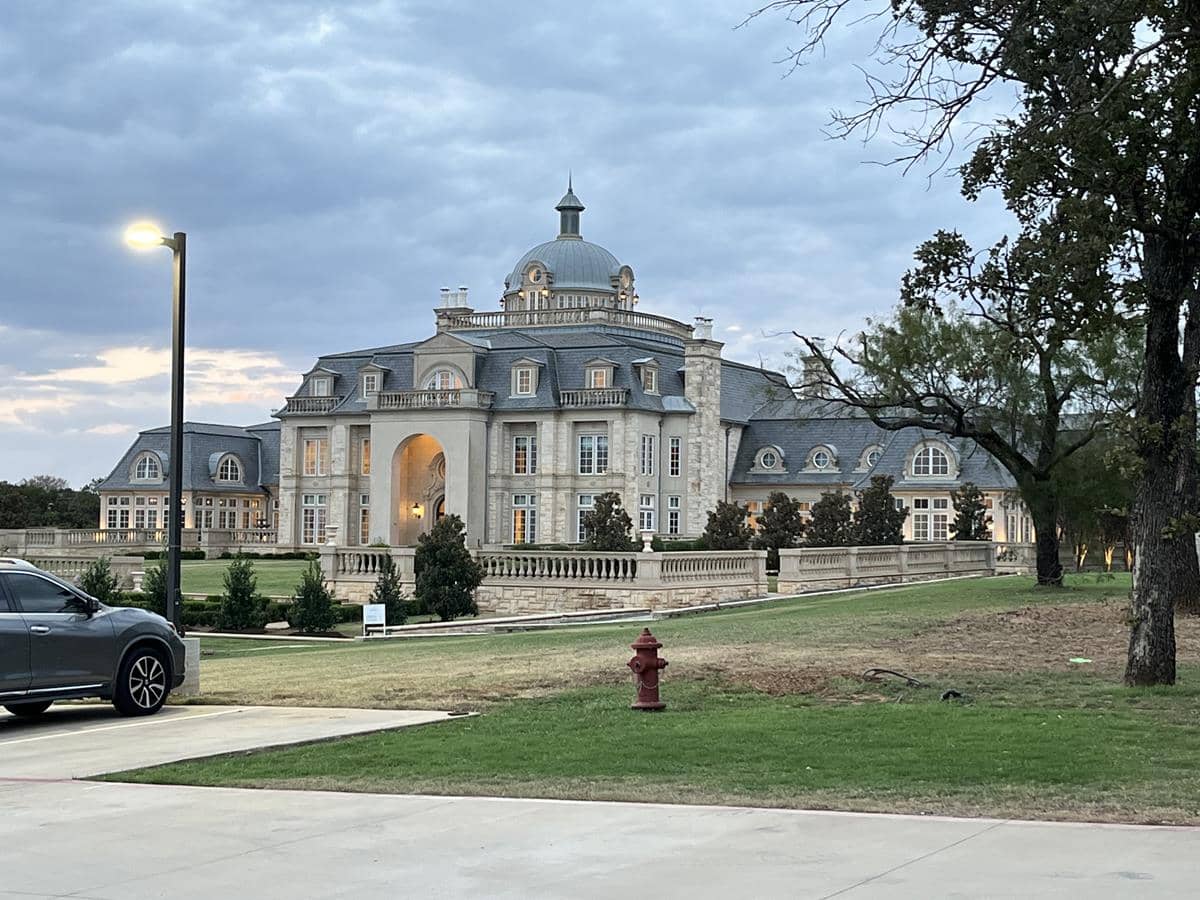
(370, 383)
(364, 519)
(646, 512)
(930, 461)
(673, 505)
(593, 454)
(364, 456)
(674, 458)
(525, 454)
(821, 459)
(768, 459)
(313, 519)
(443, 380)
(316, 456)
(650, 380)
(597, 377)
(229, 469)
(524, 518)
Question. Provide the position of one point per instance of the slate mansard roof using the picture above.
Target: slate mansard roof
(256, 447)
(562, 355)
(795, 428)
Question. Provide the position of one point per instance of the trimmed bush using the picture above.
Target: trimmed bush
(242, 607)
(183, 554)
(727, 528)
(780, 526)
(313, 611)
(607, 526)
(877, 521)
(447, 576)
(389, 592)
(154, 588)
(99, 581)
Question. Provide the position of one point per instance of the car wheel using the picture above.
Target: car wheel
(141, 684)
(28, 710)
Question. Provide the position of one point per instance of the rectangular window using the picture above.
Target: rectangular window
(152, 518)
(525, 454)
(111, 519)
(364, 456)
(650, 380)
(313, 519)
(139, 518)
(583, 506)
(316, 456)
(523, 381)
(593, 454)
(597, 377)
(920, 519)
(371, 383)
(673, 505)
(524, 518)
(364, 519)
(321, 387)
(646, 512)
(675, 456)
(648, 454)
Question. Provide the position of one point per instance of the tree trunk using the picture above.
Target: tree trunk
(1165, 570)
(1042, 500)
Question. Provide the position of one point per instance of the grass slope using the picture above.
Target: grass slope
(276, 578)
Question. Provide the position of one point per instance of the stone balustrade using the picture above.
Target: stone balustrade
(456, 398)
(585, 315)
(71, 568)
(517, 582)
(95, 542)
(310, 406)
(593, 398)
(1016, 559)
(817, 568)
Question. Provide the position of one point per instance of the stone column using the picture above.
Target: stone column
(705, 439)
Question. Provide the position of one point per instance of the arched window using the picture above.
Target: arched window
(768, 458)
(931, 461)
(229, 469)
(870, 457)
(147, 468)
(821, 458)
(443, 380)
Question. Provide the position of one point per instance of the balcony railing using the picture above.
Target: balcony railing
(585, 315)
(461, 398)
(310, 406)
(593, 398)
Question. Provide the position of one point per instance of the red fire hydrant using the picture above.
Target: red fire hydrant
(645, 666)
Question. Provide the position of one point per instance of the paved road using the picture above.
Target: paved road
(99, 840)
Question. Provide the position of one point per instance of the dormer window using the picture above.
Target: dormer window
(870, 457)
(598, 377)
(147, 468)
(524, 381)
(443, 380)
(768, 459)
(650, 379)
(822, 459)
(370, 383)
(930, 461)
(322, 386)
(229, 469)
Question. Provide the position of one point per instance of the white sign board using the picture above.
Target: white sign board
(374, 614)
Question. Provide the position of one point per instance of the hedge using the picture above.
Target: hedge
(183, 554)
(291, 554)
(203, 613)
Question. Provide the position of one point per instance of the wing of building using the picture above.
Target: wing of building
(516, 419)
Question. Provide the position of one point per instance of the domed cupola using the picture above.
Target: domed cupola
(568, 272)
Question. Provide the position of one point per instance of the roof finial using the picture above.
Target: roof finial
(569, 208)
(570, 189)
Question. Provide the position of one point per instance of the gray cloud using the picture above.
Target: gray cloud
(334, 164)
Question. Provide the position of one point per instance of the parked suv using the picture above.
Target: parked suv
(58, 643)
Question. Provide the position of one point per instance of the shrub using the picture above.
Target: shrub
(99, 581)
(389, 592)
(607, 525)
(677, 546)
(242, 607)
(254, 554)
(781, 525)
(970, 515)
(154, 587)
(830, 525)
(313, 610)
(877, 521)
(183, 554)
(727, 527)
(447, 576)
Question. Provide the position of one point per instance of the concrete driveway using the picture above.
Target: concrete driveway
(97, 840)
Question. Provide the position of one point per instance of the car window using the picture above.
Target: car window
(38, 595)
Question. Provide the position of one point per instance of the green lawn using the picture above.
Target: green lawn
(766, 707)
(276, 577)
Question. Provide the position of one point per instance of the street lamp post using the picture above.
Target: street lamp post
(144, 236)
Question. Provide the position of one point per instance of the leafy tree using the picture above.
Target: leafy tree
(389, 591)
(727, 527)
(154, 586)
(99, 581)
(447, 576)
(1105, 132)
(242, 607)
(830, 524)
(781, 525)
(312, 609)
(877, 521)
(46, 502)
(47, 483)
(1093, 486)
(606, 525)
(971, 519)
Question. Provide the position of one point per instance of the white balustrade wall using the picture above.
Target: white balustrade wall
(816, 568)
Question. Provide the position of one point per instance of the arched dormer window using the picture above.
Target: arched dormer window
(229, 469)
(443, 380)
(147, 468)
(870, 457)
(930, 461)
(769, 459)
(822, 459)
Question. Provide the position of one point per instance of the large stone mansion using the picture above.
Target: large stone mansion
(516, 419)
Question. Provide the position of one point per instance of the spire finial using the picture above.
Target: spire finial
(570, 188)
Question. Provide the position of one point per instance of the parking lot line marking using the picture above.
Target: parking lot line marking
(59, 734)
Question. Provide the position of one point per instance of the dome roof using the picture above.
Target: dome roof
(574, 263)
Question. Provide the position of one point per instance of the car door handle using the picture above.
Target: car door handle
(39, 629)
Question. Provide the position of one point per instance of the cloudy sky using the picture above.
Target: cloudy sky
(335, 163)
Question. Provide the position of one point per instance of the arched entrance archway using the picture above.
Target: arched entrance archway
(418, 488)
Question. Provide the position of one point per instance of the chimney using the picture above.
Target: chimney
(812, 374)
(452, 307)
(445, 298)
(703, 329)
(462, 295)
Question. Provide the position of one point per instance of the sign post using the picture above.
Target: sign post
(374, 616)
